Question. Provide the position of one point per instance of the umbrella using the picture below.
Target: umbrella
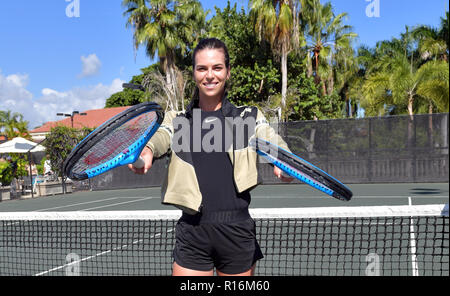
(21, 145)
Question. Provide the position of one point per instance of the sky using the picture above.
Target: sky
(66, 55)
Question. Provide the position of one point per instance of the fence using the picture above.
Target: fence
(391, 149)
(373, 150)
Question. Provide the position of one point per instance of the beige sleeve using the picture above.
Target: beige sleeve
(266, 132)
(162, 139)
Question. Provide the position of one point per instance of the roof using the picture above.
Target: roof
(92, 119)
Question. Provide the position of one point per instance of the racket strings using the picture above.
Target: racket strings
(116, 141)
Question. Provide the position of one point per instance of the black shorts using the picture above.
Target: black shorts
(230, 247)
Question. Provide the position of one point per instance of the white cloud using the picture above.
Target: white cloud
(13, 94)
(49, 91)
(18, 80)
(15, 97)
(12, 87)
(91, 65)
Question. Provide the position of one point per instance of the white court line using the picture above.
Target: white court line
(90, 202)
(414, 265)
(119, 203)
(354, 197)
(97, 255)
(75, 204)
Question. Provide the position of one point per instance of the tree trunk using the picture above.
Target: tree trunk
(316, 56)
(171, 81)
(309, 69)
(317, 78)
(410, 105)
(330, 84)
(410, 121)
(283, 76)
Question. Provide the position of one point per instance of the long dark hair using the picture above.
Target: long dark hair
(211, 43)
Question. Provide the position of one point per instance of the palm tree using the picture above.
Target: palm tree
(444, 30)
(401, 83)
(165, 27)
(325, 36)
(364, 61)
(435, 84)
(402, 71)
(432, 44)
(13, 124)
(277, 22)
(345, 74)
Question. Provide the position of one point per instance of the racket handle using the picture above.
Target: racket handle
(139, 163)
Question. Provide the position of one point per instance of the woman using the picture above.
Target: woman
(211, 173)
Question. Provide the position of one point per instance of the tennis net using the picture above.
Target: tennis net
(381, 240)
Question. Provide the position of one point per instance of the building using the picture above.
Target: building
(92, 119)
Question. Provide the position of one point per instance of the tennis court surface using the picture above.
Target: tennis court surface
(387, 229)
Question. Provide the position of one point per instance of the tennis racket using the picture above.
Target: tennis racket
(300, 169)
(117, 142)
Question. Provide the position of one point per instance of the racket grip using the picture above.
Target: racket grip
(139, 163)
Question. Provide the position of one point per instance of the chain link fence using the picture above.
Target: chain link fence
(394, 149)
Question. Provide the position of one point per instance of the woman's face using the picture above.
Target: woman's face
(210, 73)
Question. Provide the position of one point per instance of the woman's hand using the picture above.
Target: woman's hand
(279, 174)
(147, 156)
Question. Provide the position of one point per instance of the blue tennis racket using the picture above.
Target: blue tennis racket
(117, 142)
(300, 169)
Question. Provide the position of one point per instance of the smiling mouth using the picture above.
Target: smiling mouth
(210, 85)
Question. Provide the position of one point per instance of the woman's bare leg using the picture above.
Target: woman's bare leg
(178, 270)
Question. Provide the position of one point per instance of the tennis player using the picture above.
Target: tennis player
(210, 177)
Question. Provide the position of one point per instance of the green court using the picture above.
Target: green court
(263, 196)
